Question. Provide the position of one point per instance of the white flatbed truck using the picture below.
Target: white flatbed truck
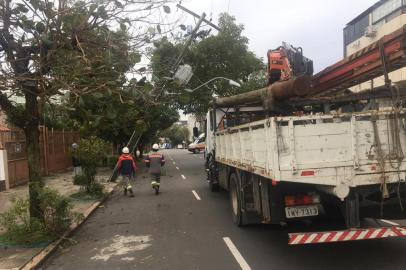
(281, 169)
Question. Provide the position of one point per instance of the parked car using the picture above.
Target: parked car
(198, 145)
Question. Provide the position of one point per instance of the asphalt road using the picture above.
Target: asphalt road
(188, 227)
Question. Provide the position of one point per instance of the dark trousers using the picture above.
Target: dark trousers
(156, 177)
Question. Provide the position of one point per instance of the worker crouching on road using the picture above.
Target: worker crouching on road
(154, 162)
(126, 168)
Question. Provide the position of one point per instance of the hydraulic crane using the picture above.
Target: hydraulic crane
(290, 73)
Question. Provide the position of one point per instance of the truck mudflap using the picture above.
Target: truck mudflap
(345, 235)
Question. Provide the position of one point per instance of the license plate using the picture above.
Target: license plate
(301, 211)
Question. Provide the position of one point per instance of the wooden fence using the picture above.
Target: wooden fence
(55, 152)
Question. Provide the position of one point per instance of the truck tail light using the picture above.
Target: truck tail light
(302, 200)
(307, 173)
(289, 200)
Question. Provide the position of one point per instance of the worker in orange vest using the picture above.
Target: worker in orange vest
(126, 168)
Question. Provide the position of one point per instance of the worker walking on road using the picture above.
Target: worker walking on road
(126, 168)
(154, 162)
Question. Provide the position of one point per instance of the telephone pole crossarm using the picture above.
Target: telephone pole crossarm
(197, 16)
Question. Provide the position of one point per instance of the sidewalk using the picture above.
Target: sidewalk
(14, 258)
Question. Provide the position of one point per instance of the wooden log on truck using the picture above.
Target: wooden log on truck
(296, 87)
(381, 92)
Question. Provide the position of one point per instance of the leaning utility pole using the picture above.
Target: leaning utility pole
(192, 36)
(188, 42)
(197, 16)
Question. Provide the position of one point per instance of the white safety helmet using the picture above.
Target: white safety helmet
(155, 146)
(74, 145)
(126, 150)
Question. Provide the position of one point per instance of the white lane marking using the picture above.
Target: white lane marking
(183, 176)
(177, 167)
(237, 255)
(390, 222)
(196, 195)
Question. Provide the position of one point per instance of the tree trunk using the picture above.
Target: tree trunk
(32, 135)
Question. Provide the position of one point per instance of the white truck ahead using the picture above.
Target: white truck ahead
(306, 146)
(279, 169)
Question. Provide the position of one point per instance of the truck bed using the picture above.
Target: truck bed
(318, 149)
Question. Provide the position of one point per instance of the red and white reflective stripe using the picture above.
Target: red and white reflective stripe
(347, 235)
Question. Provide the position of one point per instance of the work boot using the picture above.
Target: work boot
(125, 191)
(131, 192)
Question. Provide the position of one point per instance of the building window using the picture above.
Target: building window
(385, 9)
(355, 31)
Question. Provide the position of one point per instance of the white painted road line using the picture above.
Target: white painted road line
(390, 222)
(183, 176)
(177, 167)
(237, 255)
(196, 195)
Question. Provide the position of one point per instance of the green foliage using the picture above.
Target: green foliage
(105, 116)
(23, 229)
(111, 161)
(89, 152)
(223, 55)
(20, 228)
(176, 134)
(57, 211)
(96, 191)
(84, 48)
(80, 180)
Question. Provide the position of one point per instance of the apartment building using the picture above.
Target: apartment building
(381, 19)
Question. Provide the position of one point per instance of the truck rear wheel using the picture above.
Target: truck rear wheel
(196, 151)
(235, 200)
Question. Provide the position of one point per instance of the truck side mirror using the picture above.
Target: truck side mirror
(195, 132)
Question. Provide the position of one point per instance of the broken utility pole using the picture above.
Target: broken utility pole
(192, 36)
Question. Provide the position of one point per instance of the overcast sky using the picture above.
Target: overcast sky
(316, 26)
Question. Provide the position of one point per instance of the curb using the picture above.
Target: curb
(44, 253)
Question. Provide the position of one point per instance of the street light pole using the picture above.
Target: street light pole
(231, 82)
